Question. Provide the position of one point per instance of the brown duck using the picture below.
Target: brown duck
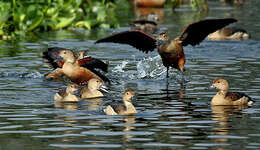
(229, 33)
(126, 109)
(79, 68)
(171, 51)
(224, 97)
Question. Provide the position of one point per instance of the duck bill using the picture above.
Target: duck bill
(159, 41)
(77, 92)
(58, 58)
(104, 88)
(211, 87)
(134, 98)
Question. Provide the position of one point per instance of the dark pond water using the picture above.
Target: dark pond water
(177, 117)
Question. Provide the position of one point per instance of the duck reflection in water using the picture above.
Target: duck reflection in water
(223, 115)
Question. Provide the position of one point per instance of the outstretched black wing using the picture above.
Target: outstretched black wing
(138, 39)
(198, 31)
(93, 63)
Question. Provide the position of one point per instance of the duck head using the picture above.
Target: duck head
(220, 84)
(72, 88)
(67, 56)
(161, 38)
(97, 84)
(128, 96)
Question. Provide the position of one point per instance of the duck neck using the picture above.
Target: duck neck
(129, 107)
(163, 44)
(70, 60)
(69, 68)
(223, 92)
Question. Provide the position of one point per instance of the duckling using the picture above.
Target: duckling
(92, 91)
(229, 33)
(224, 97)
(67, 95)
(127, 109)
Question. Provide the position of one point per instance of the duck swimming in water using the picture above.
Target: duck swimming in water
(67, 95)
(93, 89)
(126, 109)
(224, 97)
(80, 69)
(229, 33)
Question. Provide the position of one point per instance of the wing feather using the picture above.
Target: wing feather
(196, 32)
(93, 63)
(236, 96)
(138, 39)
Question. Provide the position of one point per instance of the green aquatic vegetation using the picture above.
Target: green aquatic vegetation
(18, 17)
(198, 5)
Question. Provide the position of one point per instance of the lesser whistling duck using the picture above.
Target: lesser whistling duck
(67, 95)
(146, 25)
(79, 68)
(224, 97)
(149, 3)
(93, 89)
(126, 109)
(229, 33)
(171, 51)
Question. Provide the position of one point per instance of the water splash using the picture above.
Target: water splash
(150, 67)
(120, 67)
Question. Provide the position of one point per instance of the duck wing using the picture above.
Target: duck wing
(136, 38)
(93, 63)
(196, 32)
(119, 109)
(236, 96)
